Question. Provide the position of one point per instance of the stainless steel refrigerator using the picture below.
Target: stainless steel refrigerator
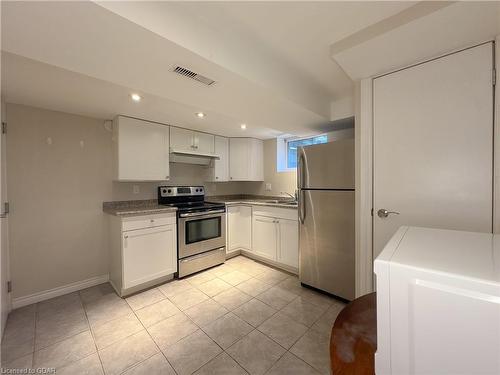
(325, 179)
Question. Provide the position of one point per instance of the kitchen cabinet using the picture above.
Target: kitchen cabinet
(288, 249)
(265, 236)
(221, 166)
(275, 235)
(143, 251)
(246, 159)
(239, 228)
(191, 141)
(140, 150)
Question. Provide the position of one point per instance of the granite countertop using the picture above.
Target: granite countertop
(151, 206)
(132, 208)
(258, 200)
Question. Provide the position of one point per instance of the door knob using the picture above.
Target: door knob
(383, 213)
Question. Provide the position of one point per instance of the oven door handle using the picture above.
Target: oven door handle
(204, 213)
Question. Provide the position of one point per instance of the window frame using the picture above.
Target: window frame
(294, 139)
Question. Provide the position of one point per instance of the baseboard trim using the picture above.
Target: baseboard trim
(59, 291)
(272, 263)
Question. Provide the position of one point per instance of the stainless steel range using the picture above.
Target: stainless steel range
(201, 227)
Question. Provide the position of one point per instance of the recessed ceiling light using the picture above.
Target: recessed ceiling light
(243, 126)
(136, 97)
(200, 114)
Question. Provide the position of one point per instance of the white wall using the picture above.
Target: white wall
(57, 229)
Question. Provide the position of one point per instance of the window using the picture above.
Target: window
(292, 145)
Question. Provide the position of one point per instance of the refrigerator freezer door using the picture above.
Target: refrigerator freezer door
(326, 166)
(326, 240)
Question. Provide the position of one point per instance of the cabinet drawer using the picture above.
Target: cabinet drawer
(276, 212)
(147, 221)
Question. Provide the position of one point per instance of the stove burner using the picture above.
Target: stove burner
(186, 198)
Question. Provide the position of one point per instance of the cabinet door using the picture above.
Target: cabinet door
(288, 249)
(245, 223)
(141, 150)
(238, 159)
(181, 139)
(233, 231)
(256, 157)
(221, 166)
(239, 228)
(148, 254)
(203, 142)
(264, 232)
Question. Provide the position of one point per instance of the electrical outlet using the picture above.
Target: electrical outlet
(268, 186)
(136, 189)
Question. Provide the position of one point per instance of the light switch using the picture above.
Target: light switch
(268, 186)
(136, 189)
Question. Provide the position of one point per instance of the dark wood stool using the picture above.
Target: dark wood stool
(354, 338)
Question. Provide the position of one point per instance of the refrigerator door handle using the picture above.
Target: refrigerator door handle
(302, 207)
(300, 168)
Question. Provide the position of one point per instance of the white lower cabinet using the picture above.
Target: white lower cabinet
(143, 255)
(239, 228)
(275, 235)
(265, 236)
(288, 249)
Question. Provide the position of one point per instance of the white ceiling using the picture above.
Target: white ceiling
(271, 60)
(281, 45)
(46, 86)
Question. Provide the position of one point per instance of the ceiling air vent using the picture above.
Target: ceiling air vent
(190, 74)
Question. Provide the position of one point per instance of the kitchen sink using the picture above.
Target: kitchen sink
(284, 203)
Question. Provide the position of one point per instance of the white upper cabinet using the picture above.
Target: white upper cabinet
(221, 166)
(191, 141)
(140, 150)
(181, 139)
(204, 142)
(246, 159)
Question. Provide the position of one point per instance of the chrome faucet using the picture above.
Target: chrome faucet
(294, 197)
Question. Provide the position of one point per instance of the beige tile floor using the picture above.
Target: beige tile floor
(238, 318)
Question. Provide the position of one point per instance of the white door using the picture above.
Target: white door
(433, 137)
(265, 236)
(181, 139)
(204, 142)
(221, 166)
(288, 249)
(143, 153)
(4, 248)
(149, 254)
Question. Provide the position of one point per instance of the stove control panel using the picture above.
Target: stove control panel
(180, 191)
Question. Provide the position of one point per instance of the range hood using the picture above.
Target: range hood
(191, 157)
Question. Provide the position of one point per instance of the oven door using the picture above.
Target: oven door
(201, 231)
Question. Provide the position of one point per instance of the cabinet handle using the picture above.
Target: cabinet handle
(216, 177)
